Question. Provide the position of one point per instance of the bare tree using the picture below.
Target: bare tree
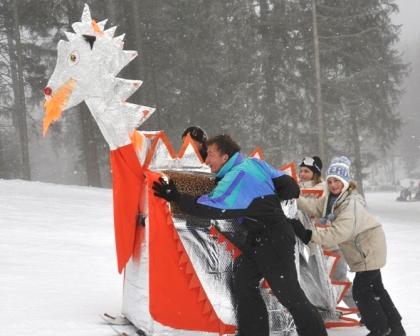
(15, 55)
(318, 93)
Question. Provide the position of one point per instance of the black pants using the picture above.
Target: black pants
(271, 256)
(374, 303)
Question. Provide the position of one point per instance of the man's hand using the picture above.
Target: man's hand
(300, 231)
(165, 190)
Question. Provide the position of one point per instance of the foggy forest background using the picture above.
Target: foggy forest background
(295, 77)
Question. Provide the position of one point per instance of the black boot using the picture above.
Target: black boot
(397, 330)
(380, 332)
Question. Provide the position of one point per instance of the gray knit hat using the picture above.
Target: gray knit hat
(340, 169)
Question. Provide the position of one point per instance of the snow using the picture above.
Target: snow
(58, 264)
(57, 260)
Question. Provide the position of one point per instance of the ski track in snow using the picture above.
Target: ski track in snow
(59, 271)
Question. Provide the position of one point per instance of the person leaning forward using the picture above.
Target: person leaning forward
(250, 190)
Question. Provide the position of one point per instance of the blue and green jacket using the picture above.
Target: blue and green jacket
(248, 189)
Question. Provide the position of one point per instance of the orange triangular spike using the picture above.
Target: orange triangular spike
(168, 213)
(188, 141)
(265, 284)
(221, 238)
(334, 265)
(340, 291)
(345, 290)
(213, 231)
(332, 261)
(222, 329)
(175, 235)
(201, 295)
(257, 153)
(179, 246)
(341, 287)
(137, 140)
(207, 308)
(194, 282)
(159, 139)
(183, 259)
(226, 329)
(290, 169)
(189, 269)
(236, 253)
(213, 316)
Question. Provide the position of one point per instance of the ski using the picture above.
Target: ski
(138, 332)
(115, 320)
(121, 333)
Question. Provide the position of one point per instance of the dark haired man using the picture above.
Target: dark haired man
(251, 190)
(199, 136)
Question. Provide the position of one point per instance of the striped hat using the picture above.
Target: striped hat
(340, 169)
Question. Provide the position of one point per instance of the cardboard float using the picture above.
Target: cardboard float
(178, 269)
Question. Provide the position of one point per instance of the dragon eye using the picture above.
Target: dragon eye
(74, 57)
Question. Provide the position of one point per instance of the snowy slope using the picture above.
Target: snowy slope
(57, 262)
(58, 267)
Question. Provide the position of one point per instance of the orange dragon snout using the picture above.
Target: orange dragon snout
(55, 102)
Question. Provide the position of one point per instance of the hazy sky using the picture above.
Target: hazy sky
(409, 17)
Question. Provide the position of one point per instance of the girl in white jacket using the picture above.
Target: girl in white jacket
(361, 239)
(310, 179)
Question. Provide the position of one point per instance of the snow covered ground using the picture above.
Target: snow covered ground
(58, 268)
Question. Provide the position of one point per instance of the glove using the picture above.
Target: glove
(300, 231)
(286, 187)
(165, 190)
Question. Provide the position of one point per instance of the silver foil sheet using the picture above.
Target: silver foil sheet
(213, 265)
(314, 278)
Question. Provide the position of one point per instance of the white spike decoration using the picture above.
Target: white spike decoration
(86, 17)
(93, 69)
(111, 31)
(120, 40)
(70, 36)
(120, 37)
(124, 88)
(102, 24)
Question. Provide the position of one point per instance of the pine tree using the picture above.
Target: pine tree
(362, 74)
